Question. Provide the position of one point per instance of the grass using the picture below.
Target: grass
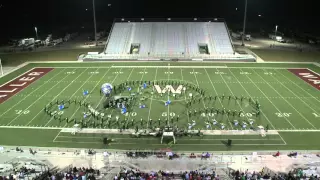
(14, 59)
(283, 55)
(287, 103)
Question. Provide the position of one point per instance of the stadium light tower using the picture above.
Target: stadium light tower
(94, 22)
(244, 22)
(1, 68)
(275, 34)
(36, 29)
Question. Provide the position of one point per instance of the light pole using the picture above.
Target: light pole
(35, 28)
(94, 22)
(275, 34)
(244, 22)
(1, 68)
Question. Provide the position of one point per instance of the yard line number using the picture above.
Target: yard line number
(245, 114)
(94, 72)
(118, 72)
(244, 73)
(279, 114)
(269, 73)
(70, 72)
(57, 113)
(143, 72)
(168, 72)
(213, 114)
(131, 114)
(20, 112)
(219, 72)
(194, 72)
(208, 114)
(165, 114)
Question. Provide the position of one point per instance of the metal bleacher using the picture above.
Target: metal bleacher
(170, 39)
(119, 38)
(220, 38)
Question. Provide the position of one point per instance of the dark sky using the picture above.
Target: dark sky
(18, 17)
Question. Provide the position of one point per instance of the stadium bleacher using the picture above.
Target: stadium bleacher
(174, 39)
(170, 38)
(56, 164)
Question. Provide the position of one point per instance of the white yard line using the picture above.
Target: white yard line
(29, 94)
(168, 113)
(185, 97)
(231, 91)
(201, 67)
(213, 139)
(89, 94)
(127, 80)
(36, 101)
(286, 100)
(269, 99)
(179, 144)
(296, 95)
(204, 105)
(54, 140)
(56, 95)
(216, 94)
(165, 67)
(312, 71)
(298, 85)
(155, 79)
(184, 67)
(104, 97)
(216, 82)
(251, 98)
(108, 130)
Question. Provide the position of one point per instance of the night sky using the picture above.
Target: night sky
(19, 17)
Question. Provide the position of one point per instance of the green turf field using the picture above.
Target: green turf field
(289, 105)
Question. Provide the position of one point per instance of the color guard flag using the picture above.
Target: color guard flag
(129, 89)
(85, 92)
(124, 110)
(61, 107)
(142, 106)
(144, 85)
(168, 102)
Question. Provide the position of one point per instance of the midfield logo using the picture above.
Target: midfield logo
(169, 88)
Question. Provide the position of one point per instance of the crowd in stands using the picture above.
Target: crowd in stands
(75, 174)
(292, 175)
(169, 154)
(162, 175)
(19, 174)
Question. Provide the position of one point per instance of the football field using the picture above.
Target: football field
(287, 96)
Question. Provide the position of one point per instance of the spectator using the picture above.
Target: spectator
(277, 154)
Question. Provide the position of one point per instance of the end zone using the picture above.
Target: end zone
(16, 85)
(308, 76)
